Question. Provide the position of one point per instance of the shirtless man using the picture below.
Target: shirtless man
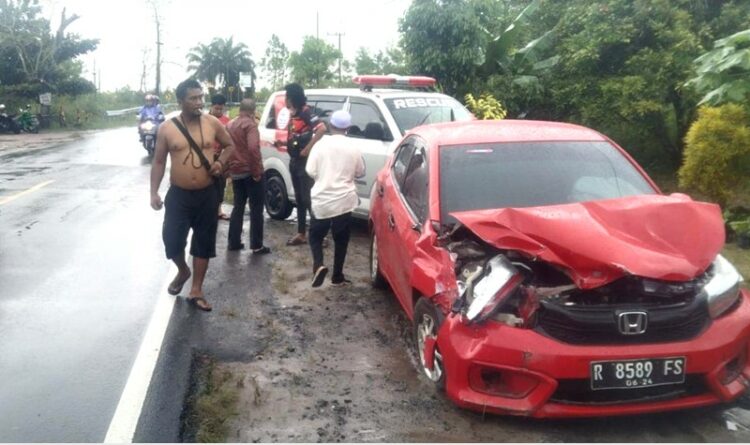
(193, 196)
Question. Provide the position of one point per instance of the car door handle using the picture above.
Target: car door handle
(391, 221)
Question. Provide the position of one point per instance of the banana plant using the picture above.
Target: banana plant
(723, 74)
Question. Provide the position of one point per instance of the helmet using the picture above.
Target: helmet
(155, 97)
(149, 97)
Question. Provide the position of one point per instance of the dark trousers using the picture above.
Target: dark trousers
(302, 184)
(340, 229)
(222, 185)
(246, 190)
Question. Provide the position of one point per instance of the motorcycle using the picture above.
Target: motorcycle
(27, 121)
(148, 128)
(7, 123)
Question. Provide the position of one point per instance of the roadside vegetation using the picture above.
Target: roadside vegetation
(212, 404)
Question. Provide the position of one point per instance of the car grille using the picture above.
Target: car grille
(579, 392)
(595, 323)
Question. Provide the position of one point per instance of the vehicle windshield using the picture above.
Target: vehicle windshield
(413, 111)
(531, 174)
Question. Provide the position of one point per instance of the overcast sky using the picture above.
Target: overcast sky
(126, 28)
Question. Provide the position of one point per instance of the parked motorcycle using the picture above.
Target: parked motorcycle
(27, 121)
(7, 123)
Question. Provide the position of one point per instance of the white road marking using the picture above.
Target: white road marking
(125, 420)
(10, 198)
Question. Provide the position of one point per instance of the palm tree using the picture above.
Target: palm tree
(221, 63)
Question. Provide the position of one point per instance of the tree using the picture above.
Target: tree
(275, 61)
(312, 64)
(221, 62)
(365, 64)
(723, 74)
(389, 62)
(444, 39)
(34, 58)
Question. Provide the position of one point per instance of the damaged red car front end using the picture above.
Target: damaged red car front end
(547, 276)
(635, 322)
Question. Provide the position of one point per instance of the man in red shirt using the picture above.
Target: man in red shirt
(246, 169)
(218, 108)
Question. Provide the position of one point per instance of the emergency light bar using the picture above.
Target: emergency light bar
(367, 82)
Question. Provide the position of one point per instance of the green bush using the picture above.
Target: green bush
(717, 152)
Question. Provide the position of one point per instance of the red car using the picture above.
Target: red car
(547, 276)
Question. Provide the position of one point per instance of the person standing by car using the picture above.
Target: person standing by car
(246, 169)
(303, 131)
(334, 164)
(193, 196)
(218, 110)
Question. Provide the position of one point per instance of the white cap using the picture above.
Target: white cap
(341, 119)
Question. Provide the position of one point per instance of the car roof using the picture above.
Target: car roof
(506, 130)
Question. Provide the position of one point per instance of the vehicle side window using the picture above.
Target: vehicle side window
(324, 109)
(367, 122)
(401, 162)
(415, 187)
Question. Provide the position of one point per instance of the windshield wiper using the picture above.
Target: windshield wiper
(425, 118)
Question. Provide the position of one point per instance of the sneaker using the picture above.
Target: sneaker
(262, 251)
(340, 282)
(319, 276)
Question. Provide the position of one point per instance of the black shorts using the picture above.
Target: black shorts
(190, 209)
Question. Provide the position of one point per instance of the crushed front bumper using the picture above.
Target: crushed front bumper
(541, 371)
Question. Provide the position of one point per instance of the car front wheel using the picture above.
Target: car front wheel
(427, 321)
(277, 201)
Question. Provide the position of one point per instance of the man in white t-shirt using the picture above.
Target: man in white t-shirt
(334, 163)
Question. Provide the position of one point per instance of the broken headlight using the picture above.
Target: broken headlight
(723, 289)
(490, 287)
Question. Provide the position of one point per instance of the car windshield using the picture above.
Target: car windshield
(531, 174)
(413, 111)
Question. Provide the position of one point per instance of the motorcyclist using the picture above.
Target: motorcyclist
(151, 110)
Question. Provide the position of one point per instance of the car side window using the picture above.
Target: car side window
(415, 187)
(324, 109)
(367, 122)
(401, 162)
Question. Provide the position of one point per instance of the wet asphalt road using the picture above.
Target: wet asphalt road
(81, 262)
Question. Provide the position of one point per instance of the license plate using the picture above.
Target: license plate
(637, 373)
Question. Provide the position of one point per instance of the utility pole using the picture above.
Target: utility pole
(341, 55)
(159, 43)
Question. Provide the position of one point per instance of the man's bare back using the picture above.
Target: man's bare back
(186, 170)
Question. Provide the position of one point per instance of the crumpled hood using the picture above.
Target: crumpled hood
(670, 238)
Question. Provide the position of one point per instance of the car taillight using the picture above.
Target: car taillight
(501, 382)
(498, 281)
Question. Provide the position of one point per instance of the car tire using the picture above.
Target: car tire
(276, 199)
(376, 277)
(427, 321)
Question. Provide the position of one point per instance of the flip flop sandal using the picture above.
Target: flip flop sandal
(295, 242)
(224, 217)
(175, 290)
(200, 303)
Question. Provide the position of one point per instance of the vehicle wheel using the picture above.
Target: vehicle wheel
(376, 278)
(277, 201)
(427, 321)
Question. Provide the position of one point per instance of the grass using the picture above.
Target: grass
(215, 404)
(740, 258)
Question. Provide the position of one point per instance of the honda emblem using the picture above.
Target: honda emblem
(632, 323)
